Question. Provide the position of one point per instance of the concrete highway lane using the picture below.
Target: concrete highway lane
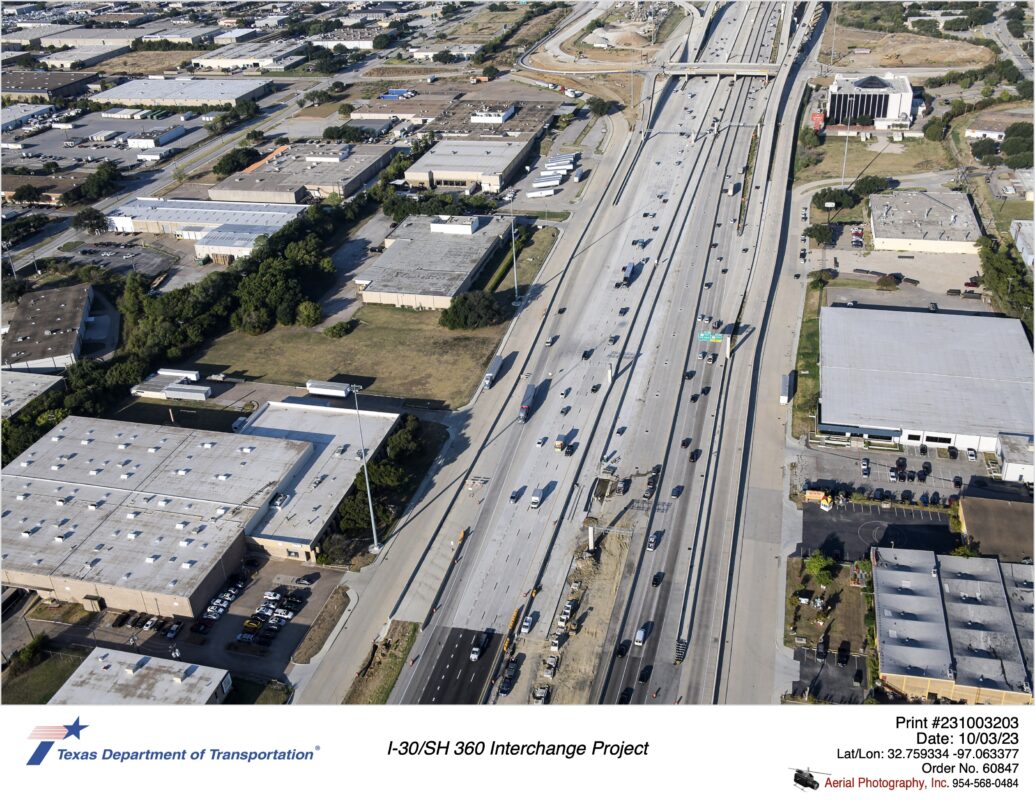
(452, 678)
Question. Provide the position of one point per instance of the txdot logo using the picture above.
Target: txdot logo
(47, 735)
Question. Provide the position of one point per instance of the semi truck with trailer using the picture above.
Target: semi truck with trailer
(526, 403)
(492, 372)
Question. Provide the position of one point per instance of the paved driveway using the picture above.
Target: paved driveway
(850, 531)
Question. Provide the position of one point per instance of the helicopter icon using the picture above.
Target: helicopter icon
(805, 779)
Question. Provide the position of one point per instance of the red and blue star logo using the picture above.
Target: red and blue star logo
(48, 734)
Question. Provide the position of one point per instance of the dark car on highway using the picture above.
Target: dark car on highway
(696, 454)
(587, 355)
(645, 674)
(695, 397)
(626, 696)
(622, 649)
(657, 579)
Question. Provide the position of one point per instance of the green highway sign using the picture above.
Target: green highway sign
(708, 336)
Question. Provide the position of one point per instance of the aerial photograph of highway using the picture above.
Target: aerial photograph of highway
(517, 353)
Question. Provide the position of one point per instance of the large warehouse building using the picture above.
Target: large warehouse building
(252, 55)
(292, 172)
(184, 92)
(33, 84)
(429, 260)
(920, 378)
(131, 516)
(221, 230)
(950, 628)
(924, 222)
(887, 100)
(45, 333)
(460, 163)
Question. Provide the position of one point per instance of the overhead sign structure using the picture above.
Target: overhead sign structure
(708, 336)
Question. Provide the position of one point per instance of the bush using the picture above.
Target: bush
(490, 72)
(841, 198)
(935, 129)
(599, 107)
(472, 310)
(344, 133)
(339, 329)
(870, 184)
(821, 567)
(887, 282)
(308, 314)
(808, 137)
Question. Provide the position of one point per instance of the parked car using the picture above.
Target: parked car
(246, 638)
(150, 623)
(953, 453)
(971, 454)
(121, 619)
(865, 466)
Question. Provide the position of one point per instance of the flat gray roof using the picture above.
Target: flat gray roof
(420, 261)
(529, 118)
(27, 81)
(21, 388)
(294, 168)
(981, 628)
(931, 216)
(951, 617)
(208, 213)
(947, 373)
(162, 515)
(911, 634)
(250, 52)
(328, 470)
(22, 111)
(115, 677)
(215, 91)
(1018, 580)
(469, 156)
(46, 324)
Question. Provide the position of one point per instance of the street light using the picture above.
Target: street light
(513, 260)
(844, 161)
(375, 548)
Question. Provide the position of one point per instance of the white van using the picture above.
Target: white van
(641, 636)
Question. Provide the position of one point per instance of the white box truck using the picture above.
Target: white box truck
(537, 498)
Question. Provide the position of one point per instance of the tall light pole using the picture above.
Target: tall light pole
(513, 259)
(375, 548)
(844, 160)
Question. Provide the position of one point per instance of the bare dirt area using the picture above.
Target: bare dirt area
(323, 625)
(900, 50)
(581, 653)
(483, 26)
(405, 70)
(147, 62)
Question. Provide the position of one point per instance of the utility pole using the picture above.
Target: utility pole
(375, 548)
(513, 260)
(844, 160)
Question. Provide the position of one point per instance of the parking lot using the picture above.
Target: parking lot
(217, 646)
(847, 532)
(841, 468)
(149, 254)
(832, 679)
(50, 145)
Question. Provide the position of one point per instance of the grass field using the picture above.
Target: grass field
(322, 110)
(395, 351)
(806, 395)
(910, 157)
(374, 687)
(246, 692)
(483, 26)
(68, 613)
(844, 619)
(149, 62)
(37, 685)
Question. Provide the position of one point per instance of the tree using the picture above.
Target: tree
(1020, 161)
(841, 198)
(381, 41)
(255, 135)
(472, 310)
(27, 193)
(308, 314)
(1024, 89)
(964, 551)
(821, 567)
(338, 87)
(90, 220)
(983, 147)
(887, 282)
(490, 72)
(236, 160)
(1023, 130)
(934, 129)
(599, 107)
(870, 184)
(442, 57)
(345, 109)
(808, 137)
(820, 234)
(344, 133)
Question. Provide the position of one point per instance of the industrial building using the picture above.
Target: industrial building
(158, 137)
(21, 388)
(990, 125)
(220, 230)
(459, 164)
(924, 222)
(319, 480)
(172, 384)
(998, 526)
(417, 108)
(272, 21)
(475, 119)
(887, 100)
(29, 38)
(429, 260)
(297, 170)
(117, 677)
(947, 627)
(30, 84)
(45, 334)
(913, 377)
(79, 57)
(236, 35)
(51, 186)
(1023, 233)
(462, 52)
(185, 92)
(124, 36)
(252, 55)
(1016, 461)
(14, 116)
(350, 38)
(138, 517)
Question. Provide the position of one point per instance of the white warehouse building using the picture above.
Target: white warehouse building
(888, 100)
(912, 377)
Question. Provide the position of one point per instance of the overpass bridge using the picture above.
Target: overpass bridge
(733, 70)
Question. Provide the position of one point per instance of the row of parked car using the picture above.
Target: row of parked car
(277, 608)
(148, 622)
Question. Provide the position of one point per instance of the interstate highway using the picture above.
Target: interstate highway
(512, 547)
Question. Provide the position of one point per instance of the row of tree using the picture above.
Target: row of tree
(1015, 150)
(497, 44)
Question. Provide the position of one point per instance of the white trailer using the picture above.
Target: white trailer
(541, 193)
(328, 388)
(546, 183)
